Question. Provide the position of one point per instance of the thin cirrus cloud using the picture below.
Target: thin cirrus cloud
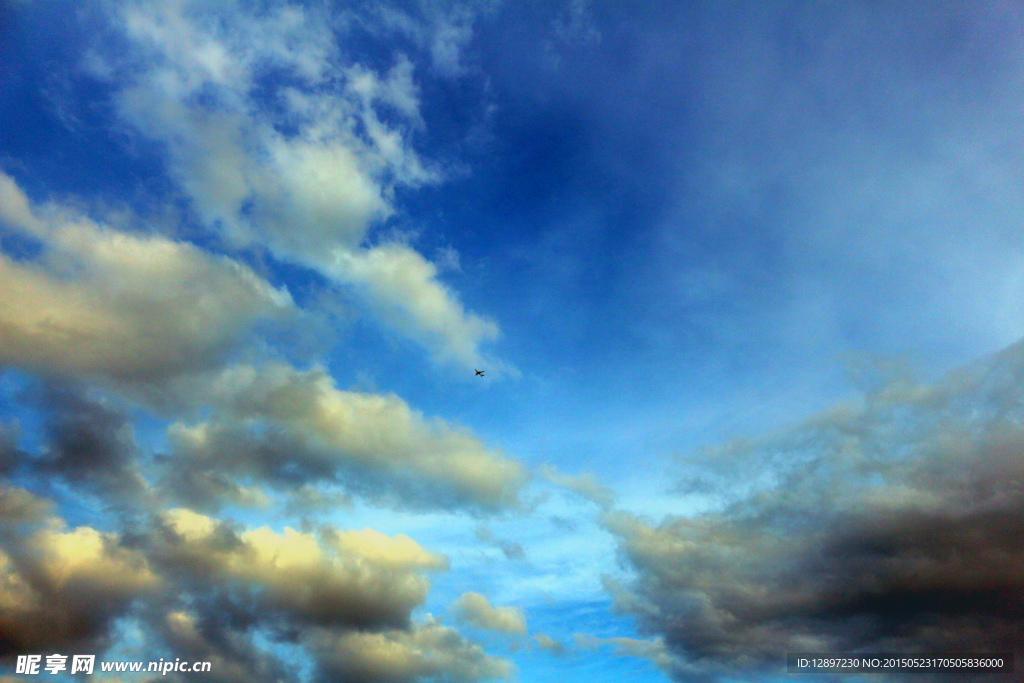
(306, 174)
(890, 526)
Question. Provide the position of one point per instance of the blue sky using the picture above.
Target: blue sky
(746, 281)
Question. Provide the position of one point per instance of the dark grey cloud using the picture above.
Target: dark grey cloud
(892, 526)
(89, 443)
(10, 453)
(209, 636)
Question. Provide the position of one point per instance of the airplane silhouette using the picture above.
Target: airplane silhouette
(479, 373)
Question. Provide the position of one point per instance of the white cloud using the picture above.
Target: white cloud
(334, 581)
(444, 29)
(398, 552)
(304, 168)
(201, 586)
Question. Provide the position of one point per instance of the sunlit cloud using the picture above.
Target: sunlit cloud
(306, 174)
(134, 308)
(284, 427)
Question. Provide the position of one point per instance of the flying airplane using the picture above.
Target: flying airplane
(479, 373)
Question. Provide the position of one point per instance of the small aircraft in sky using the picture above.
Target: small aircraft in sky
(479, 373)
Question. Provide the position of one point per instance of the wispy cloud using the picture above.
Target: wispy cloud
(475, 609)
(307, 171)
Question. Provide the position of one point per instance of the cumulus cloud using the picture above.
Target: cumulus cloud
(475, 609)
(426, 652)
(344, 596)
(202, 588)
(135, 308)
(61, 588)
(284, 427)
(280, 142)
(158, 316)
(200, 636)
(889, 526)
(342, 581)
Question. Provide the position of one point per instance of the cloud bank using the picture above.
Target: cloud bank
(158, 320)
(206, 589)
(130, 307)
(287, 428)
(892, 526)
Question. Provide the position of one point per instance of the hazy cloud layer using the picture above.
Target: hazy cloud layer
(549, 644)
(889, 526)
(204, 588)
(584, 485)
(653, 651)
